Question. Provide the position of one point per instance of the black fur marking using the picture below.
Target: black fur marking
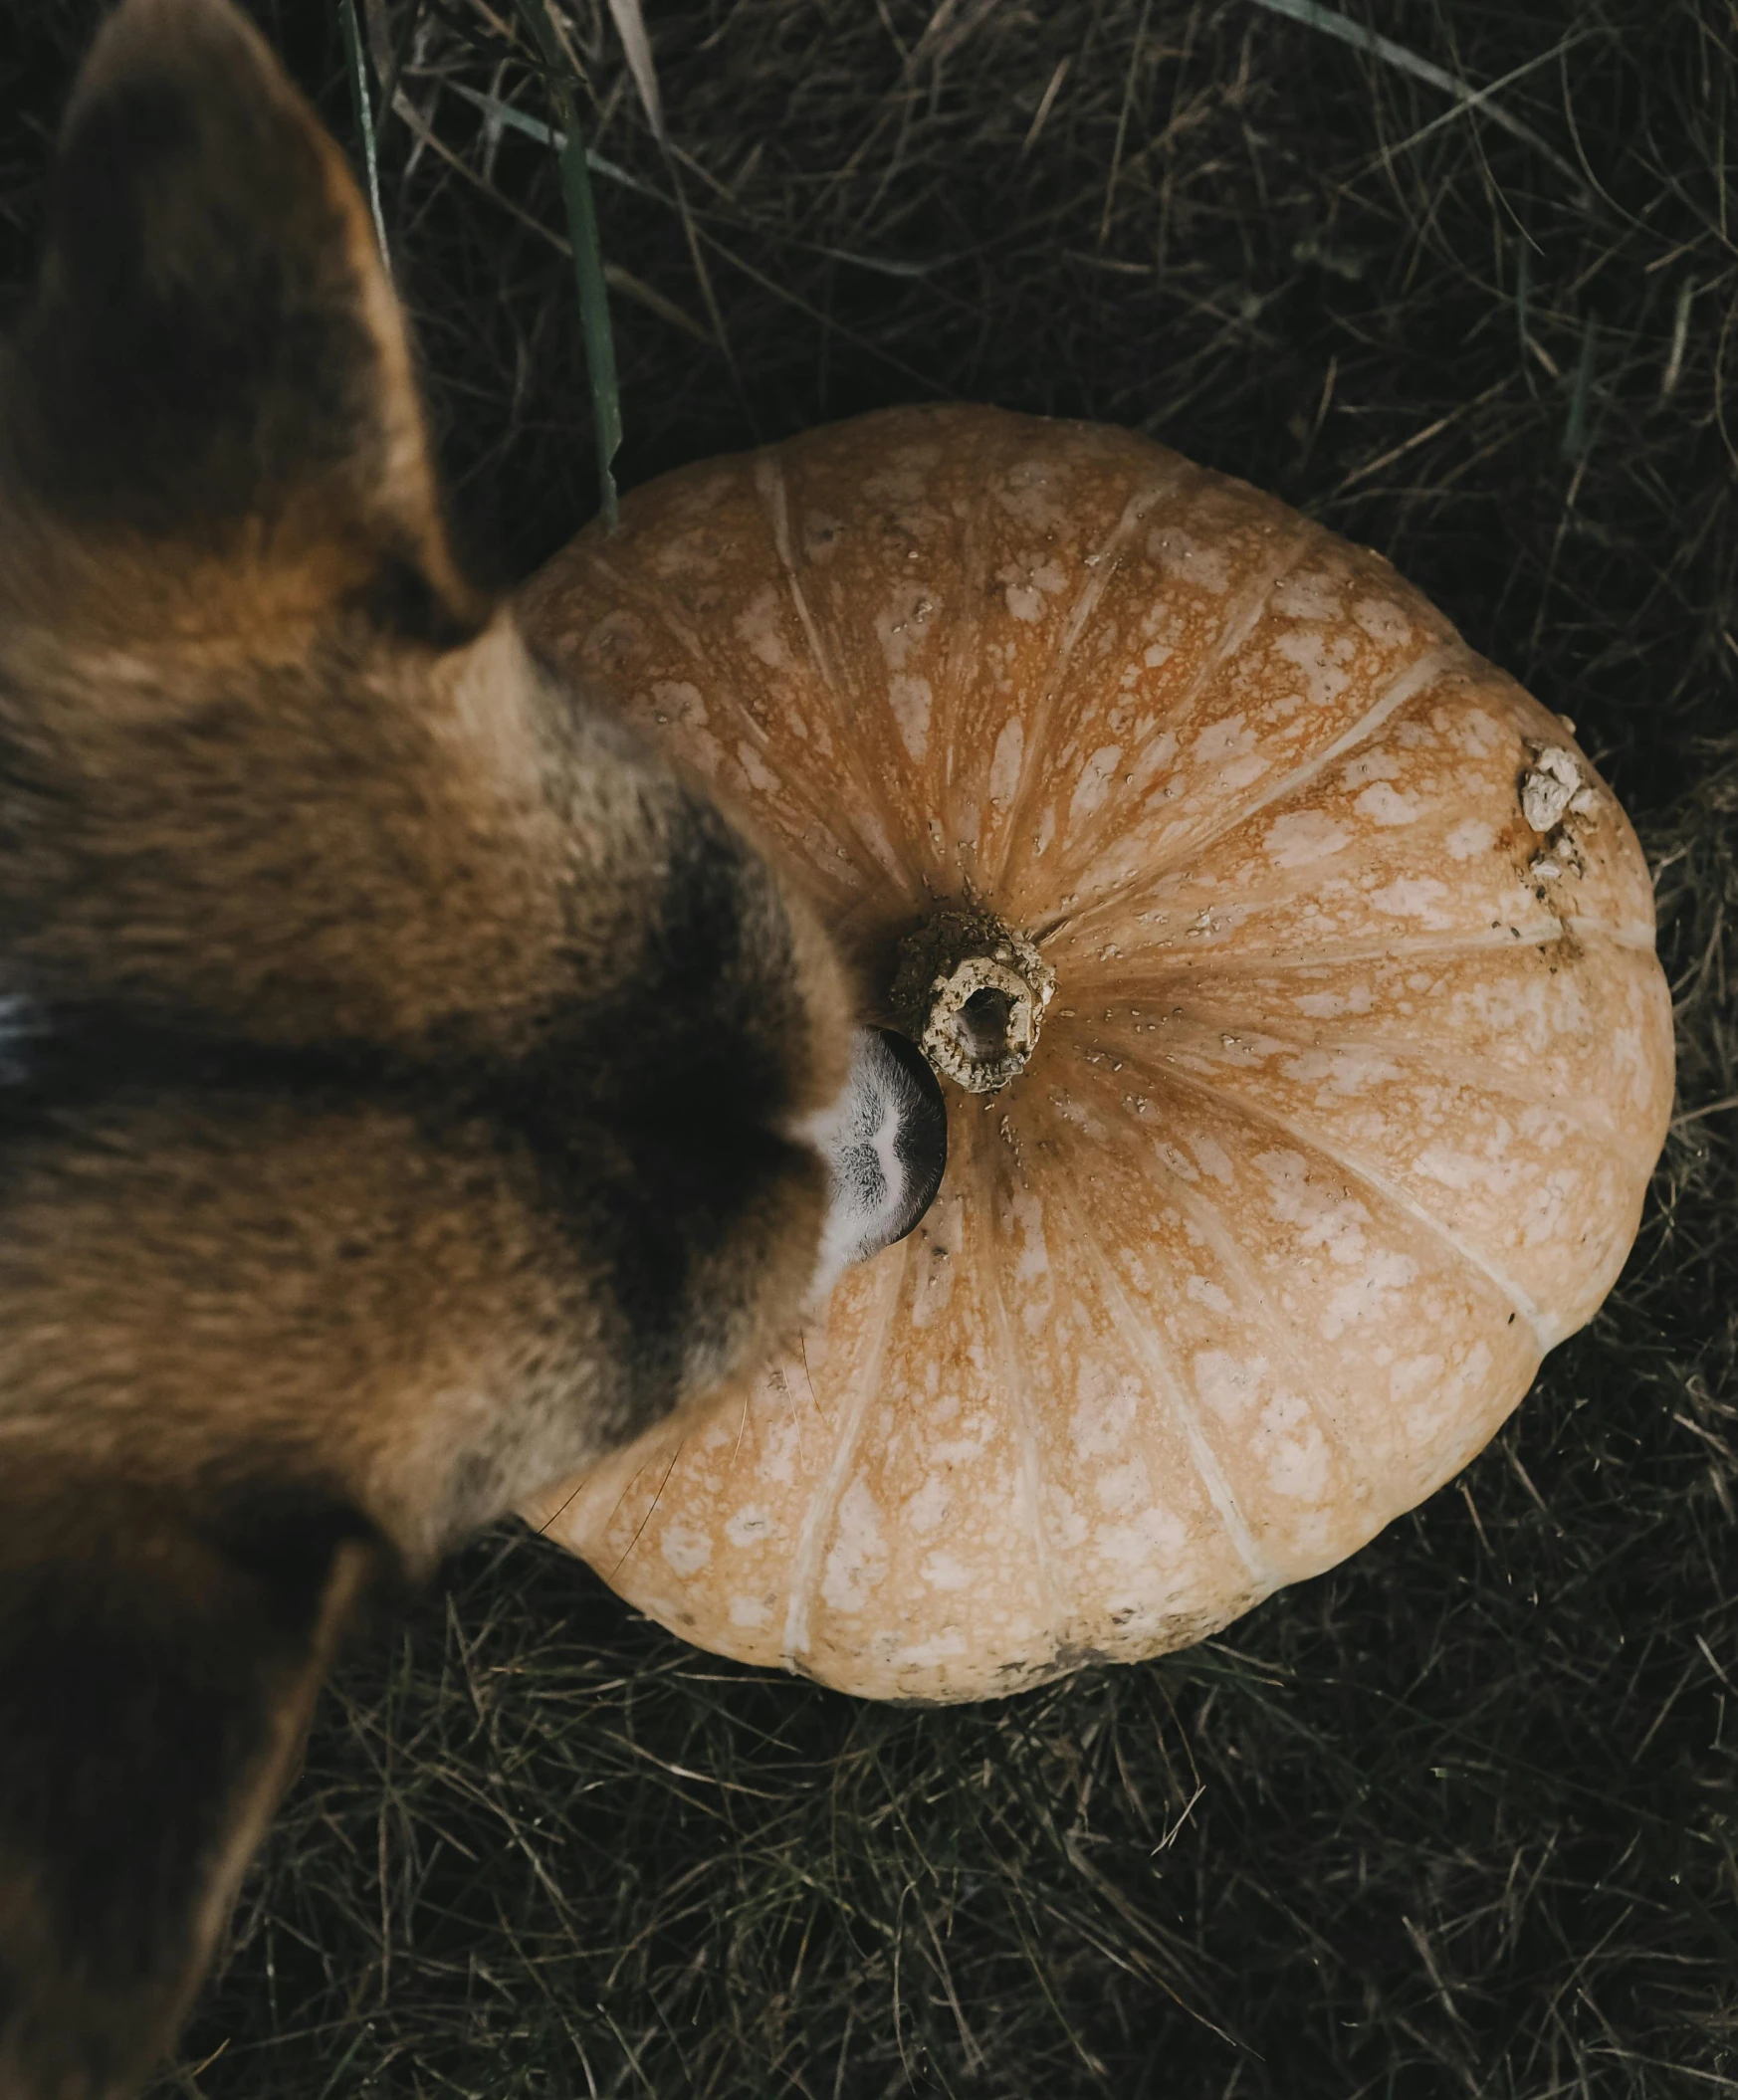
(401, 601)
(692, 1113)
(66, 1059)
(284, 1534)
(653, 1202)
(708, 1011)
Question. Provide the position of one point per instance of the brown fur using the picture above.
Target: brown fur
(399, 1059)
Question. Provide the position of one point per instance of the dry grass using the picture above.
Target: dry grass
(1459, 1819)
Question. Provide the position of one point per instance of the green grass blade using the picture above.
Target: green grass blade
(588, 258)
(630, 25)
(1575, 432)
(364, 110)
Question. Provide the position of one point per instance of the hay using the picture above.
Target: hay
(1460, 1818)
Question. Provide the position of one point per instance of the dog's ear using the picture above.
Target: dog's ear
(156, 1683)
(215, 355)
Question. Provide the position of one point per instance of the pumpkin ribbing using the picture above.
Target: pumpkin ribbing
(1342, 1110)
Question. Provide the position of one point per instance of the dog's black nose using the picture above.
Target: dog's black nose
(886, 1146)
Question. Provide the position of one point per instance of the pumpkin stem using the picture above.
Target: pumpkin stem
(972, 993)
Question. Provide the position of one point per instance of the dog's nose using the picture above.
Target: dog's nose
(886, 1146)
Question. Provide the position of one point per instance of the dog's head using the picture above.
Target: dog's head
(409, 1085)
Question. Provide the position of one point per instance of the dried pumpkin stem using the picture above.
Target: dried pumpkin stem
(972, 993)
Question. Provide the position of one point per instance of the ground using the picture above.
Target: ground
(1460, 1818)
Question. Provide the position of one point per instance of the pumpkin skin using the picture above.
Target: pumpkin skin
(1342, 1113)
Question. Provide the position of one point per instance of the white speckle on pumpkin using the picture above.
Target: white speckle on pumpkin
(1306, 594)
(1096, 776)
(1028, 496)
(1226, 1384)
(1214, 1159)
(1413, 896)
(1004, 764)
(1155, 753)
(1122, 1488)
(1381, 621)
(1343, 1072)
(1197, 562)
(1153, 1540)
(911, 700)
(1303, 836)
(675, 703)
(1229, 737)
(927, 1508)
(1201, 1290)
(1329, 1005)
(682, 701)
(1028, 584)
(1297, 1456)
(857, 1559)
(1368, 1297)
(1474, 1366)
(1332, 1222)
(687, 554)
(1470, 837)
(928, 1654)
(759, 627)
(1104, 1418)
(956, 1450)
(1478, 733)
(1370, 765)
(1238, 772)
(1384, 805)
(685, 1550)
(760, 776)
(1411, 1374)
(945, 1571)
(1309, 650)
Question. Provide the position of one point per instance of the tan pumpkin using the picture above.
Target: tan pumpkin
(1340, 1115)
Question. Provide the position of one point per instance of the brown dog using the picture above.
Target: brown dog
(408, 1085)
